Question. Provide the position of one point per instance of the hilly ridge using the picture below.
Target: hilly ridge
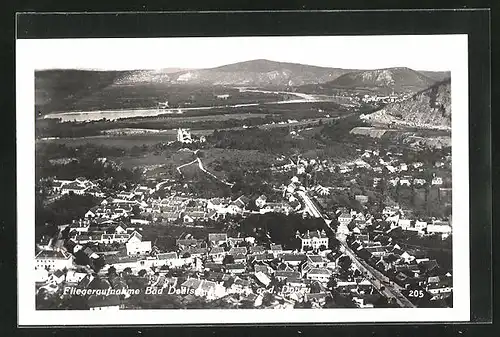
(259, 73)
(384, 80)
(429, 108)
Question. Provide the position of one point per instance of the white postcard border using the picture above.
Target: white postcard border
(27, 52)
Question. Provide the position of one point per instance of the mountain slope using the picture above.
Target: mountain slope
(59, 89)
(382, 80)
(259, 73)
(428, 108)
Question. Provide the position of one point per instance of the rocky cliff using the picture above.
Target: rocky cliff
(428, 108)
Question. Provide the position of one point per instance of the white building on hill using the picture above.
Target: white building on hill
(184, 136)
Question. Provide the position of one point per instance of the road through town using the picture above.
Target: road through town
(379, 280)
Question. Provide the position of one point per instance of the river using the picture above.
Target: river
(83, 116)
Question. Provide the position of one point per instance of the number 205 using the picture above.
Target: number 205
(416, 293)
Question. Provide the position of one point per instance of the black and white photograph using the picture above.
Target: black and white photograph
(254, 179)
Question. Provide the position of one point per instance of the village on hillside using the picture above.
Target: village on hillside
(139, 248)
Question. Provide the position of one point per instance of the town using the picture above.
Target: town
(323, 239)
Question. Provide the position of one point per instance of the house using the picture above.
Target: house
(390, 168)
(428, 266)
(293, 260)
(58, 184)
(261, 201)
(313, 239)
(263, 278)
(362, 302)
(240, 286)
(217, 254)
(90, 213)
(276, 207)
(263, 268)
(383, 265)
(95, 192)
(139, 222)
(235, 268)
(217, 239)
(407, 257)
(135, 245)
(41, 275)
(419, 181)
(125, 195)
(238, 251)
(90, 253)
(140, 191)
(377, 251)
(404, 223)
(405, 181)
(166, 258)
(53, 260)
(215, 204)
(73, 187)
(321, 190)
(344, 219)
(182, 243)
(362, 199)
(194, 252)
(57, 277)
(316, 261)
(276, 249)
(285, 274)
(190, 217)
(104, 302)
(80, 226)
(171, 216)
(362, 238)
(317, 298)
(239, 258)
(420, 225)
(437, 181)
(256, 250)
(111, 238)
(439, 228)
(203, 288)
(45, 243)
(235, 241)
(440, 288)
(238, 205)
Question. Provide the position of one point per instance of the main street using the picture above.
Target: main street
(379, 280)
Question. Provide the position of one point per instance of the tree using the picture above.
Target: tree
(333, 244)
(228, 259)
(345, 262)
(98, 263)
(315, 288)
(111, 271)
(266, 299)
(81, 258)
(332, 283)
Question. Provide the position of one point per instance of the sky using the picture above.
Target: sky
(419, 52)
